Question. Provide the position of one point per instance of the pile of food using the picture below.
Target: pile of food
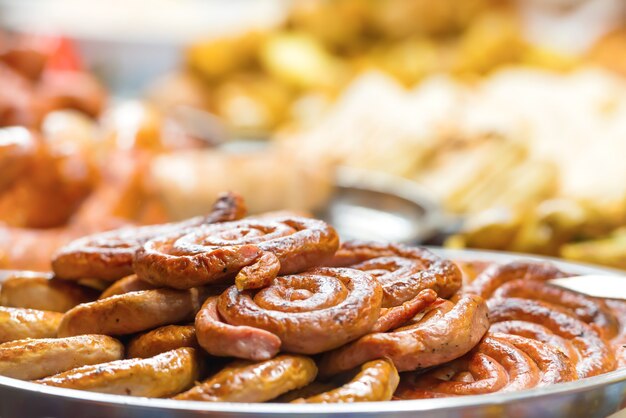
(525, 177)
(59, 182)
(265, 79)
(72, 165)
(224, 307)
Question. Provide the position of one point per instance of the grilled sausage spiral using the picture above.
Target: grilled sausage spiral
(311, 312)
(596, 355)
(402, 271)
(444, 333)
(109, 255)
(253, 250)
(500, 363)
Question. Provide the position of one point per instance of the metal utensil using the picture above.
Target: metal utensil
(596, 285)
(369, 205)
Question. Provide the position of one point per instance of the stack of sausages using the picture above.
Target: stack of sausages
(273, 308)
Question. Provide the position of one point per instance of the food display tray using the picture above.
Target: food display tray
(598, 396)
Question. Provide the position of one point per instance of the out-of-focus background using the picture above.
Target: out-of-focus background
(496, 124)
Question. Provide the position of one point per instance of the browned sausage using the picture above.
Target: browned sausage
(222, 339)
(20, 323)
(496, 275)
(537, 332)
(313, 389)
(500, 363)
(310, 312)
(590, 310)
(473, 374)
(218, 252)
(133, 312)
(445, 333)
(244, 381)
(618, 307)
(403, 271)
(36, 358)
(128, 284)
(554, 365)
(109, 255)
(156, 377)
(495, 366)
(376, 381)
(44, 293)
(392, 318)
(470, 269)
(596, 356)
(161, 340)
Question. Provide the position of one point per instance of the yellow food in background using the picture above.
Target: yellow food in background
(324, 44)
(509, 163)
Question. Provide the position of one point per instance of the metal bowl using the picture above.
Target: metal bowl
(369, 205)
(597, 396)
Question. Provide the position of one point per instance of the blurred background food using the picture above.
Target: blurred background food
(510, 114)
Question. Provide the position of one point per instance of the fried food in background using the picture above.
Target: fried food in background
(119, 198)
(87, 176)
(525, 177)
(75, 176)
(269, 178)
(251, 101)
(508, 156)
(608, 251)
(265, 79)
(40, 75)
(610, 51)
(323, 45)
(52, 187)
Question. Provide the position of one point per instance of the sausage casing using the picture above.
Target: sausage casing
(44, 293)
(244, 381)
(376, 381)
(132, 312)
(20, 323)
(36, 358)
(161, 340)
(155, 377)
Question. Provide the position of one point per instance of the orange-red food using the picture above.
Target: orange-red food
(215, 253)
(403, 271)
(311, 312)
(109, 255)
